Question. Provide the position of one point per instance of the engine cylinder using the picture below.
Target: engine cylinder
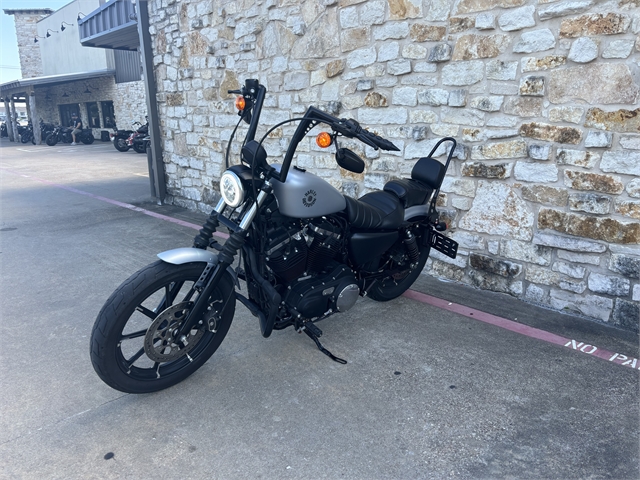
(324, 246)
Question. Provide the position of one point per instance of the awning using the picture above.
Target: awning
(23, 84)
(114, 25)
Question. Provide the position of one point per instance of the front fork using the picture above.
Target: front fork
(230, 249)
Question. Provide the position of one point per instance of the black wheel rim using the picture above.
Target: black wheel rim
(130, 350)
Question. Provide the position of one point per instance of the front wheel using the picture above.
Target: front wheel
(134, 347)
(25, 137)
(51, 139)
(139, 147)
(400, 273)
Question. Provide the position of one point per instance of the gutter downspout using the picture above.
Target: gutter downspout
(157, 173)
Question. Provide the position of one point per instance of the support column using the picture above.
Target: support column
(14, 120)
(33, 114)
(157, 165)
(7, 109)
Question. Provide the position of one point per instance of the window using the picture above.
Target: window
(93, 114)
(66, 111)
(108, 115)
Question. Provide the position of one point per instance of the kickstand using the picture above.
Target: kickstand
(313, 333)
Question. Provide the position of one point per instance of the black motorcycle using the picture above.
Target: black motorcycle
(4, 132)
(27, 134)
(63, 134)
(45, 129)
(306, 252)
(137, 139)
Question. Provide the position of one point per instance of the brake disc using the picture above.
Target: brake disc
(161, 343)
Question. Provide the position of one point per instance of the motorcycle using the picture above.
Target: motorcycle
(3, 130)
(27, 134)
(136, 139)
(306, 252)
(63, 134)
(45, 129)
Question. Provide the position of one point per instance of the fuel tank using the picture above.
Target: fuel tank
(304, 195)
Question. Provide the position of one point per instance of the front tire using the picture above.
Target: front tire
(132, 347)
(139, 148)
(51, 139)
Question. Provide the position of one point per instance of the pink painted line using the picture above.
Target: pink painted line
(128, 206)
(617, 358)
(525, 330)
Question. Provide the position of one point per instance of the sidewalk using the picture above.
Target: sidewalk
(428, 392)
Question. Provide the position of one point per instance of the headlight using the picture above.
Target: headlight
(231, 189)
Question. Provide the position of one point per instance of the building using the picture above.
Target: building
(61, 77)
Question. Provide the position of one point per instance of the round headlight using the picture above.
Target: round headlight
(231, 189)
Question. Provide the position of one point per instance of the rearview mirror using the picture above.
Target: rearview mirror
(349, 160)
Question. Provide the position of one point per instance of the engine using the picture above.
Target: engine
(305, 261)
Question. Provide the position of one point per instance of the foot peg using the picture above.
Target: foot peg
(314, 333)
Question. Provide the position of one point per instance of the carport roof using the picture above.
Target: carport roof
(49, 80)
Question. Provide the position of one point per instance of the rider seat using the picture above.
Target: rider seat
(375, 211)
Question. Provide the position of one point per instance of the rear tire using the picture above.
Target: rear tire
(121, 144)
(132, 344)
(87, 139)
(389, 288)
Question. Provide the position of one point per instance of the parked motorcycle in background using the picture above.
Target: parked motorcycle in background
(45, 129)
(4, 132)
(306, 252)
(63, 134)
(136, 140)
(27, 134)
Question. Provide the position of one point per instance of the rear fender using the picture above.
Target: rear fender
(179, 256)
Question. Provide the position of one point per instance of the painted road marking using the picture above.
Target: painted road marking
(532, 332)
(525, 330)
(128, 206)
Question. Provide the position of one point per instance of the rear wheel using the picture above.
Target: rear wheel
(87, 139)
(121, 144)
(25, 137)
(134, 347)
(400, 272)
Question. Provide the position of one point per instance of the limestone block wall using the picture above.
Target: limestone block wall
(543, 194)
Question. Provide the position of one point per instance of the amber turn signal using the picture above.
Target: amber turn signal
(241, 103)
(324, 140)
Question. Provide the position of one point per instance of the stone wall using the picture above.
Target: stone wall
(543, 194)
(26, 30)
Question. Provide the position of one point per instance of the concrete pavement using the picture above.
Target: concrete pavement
(427, 392)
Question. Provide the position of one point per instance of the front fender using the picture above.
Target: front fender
(178, 256)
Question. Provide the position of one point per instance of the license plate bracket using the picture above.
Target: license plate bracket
(443, 244)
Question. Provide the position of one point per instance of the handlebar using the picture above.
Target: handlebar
(349, 128)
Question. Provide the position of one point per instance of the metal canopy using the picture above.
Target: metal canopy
(49, 80)
(114, 25)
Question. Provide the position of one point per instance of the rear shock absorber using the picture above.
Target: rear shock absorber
(412, 246)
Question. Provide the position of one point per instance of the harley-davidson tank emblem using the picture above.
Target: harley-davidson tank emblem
(309, 198)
